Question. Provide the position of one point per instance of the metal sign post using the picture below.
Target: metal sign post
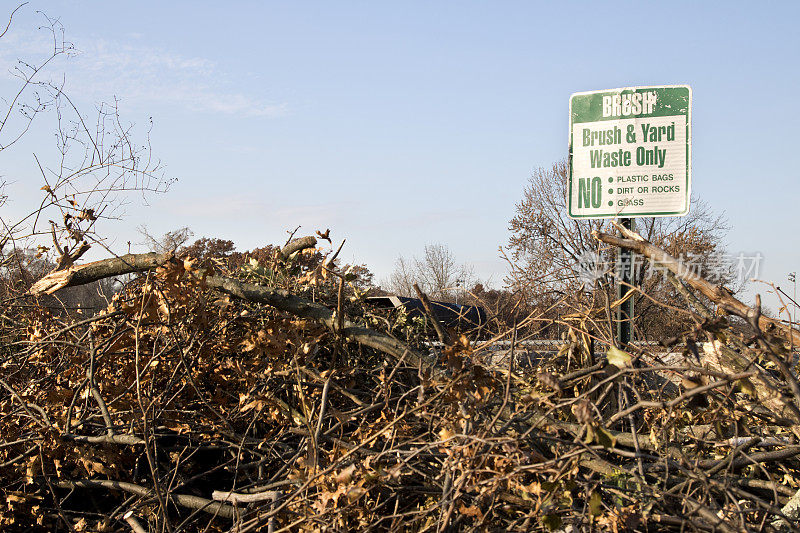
(625, 271)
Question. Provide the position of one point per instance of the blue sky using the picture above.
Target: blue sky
(407, 123)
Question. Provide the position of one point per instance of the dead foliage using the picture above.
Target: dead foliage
(267, 397)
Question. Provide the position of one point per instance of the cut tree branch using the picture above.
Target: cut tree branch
(278, 298)
(183, 500)
(298, 244)
(97, 270)
(717, 293)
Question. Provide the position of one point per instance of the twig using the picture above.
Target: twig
(444, 337)
(318, 432)
(133, 522)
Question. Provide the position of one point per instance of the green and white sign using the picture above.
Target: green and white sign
(630, 152)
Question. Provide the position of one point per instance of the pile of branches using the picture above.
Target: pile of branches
(269, 398)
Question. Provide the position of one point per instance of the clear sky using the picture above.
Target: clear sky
(398, 124)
